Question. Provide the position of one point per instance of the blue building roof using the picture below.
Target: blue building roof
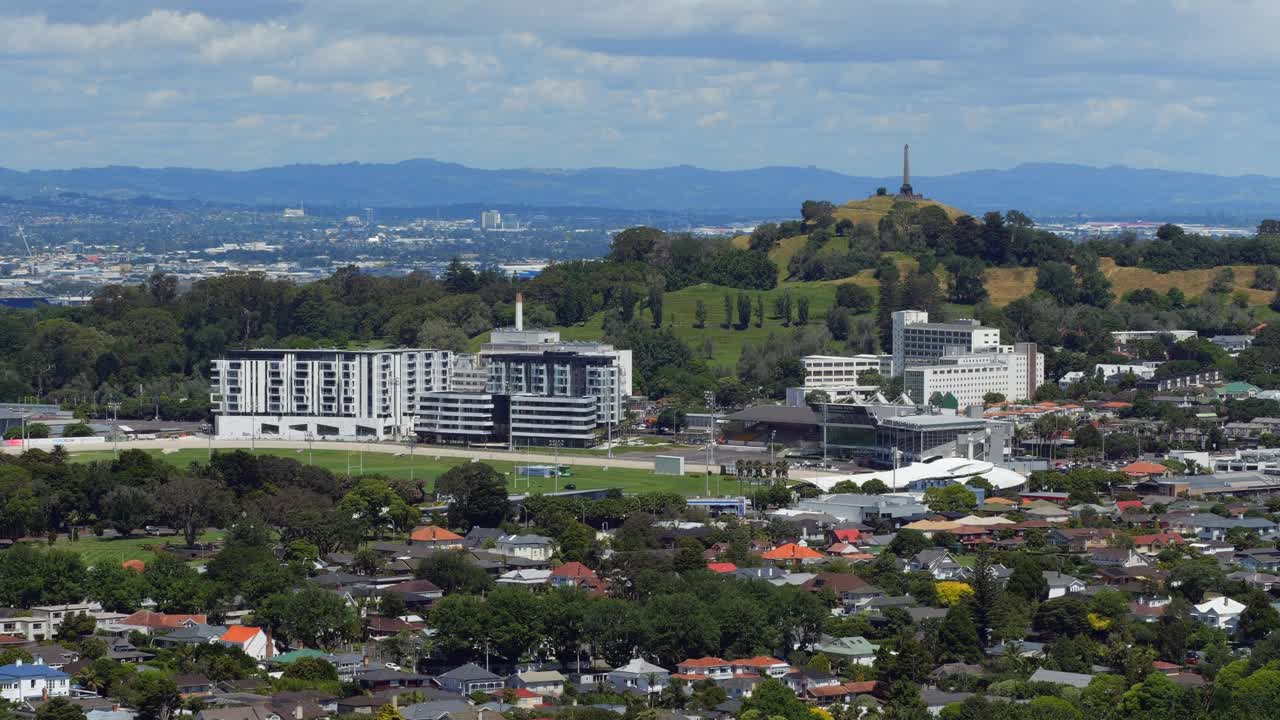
(20, 670)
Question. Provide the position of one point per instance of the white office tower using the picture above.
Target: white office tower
(337, 394)
(916, 339)
(490, 220)
(1014, 371)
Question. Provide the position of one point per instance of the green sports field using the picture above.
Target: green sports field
(95, 550)
(427, 467)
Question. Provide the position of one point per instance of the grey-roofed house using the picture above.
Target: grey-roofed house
(469, 678)
(529, 547)
(639, 676)
(1061, 584)
(543, 682)
(378, 679)
(1077, 680)
(190, 635)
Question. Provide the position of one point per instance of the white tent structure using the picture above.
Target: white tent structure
(958, 470)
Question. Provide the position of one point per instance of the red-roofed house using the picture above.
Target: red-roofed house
(254, 641)
(522, 698)
(434, 536)
(1156, 542)
(762, 665)
(147, 621)
(706, 667)
(574, 574)
(1144, 469)
(792, 552)
(721, 568)
(1130, 506)
(848, 535)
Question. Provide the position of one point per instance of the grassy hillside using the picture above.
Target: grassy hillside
(877, 206)
(1008, 284)
(870, 210)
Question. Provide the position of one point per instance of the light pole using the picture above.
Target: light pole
(897, 455)
(772, 435)
(310, 457)
(555, 445)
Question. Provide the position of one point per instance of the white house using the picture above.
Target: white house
(32, 681)
(529, 547)
(1221, 612)
(254, 641)
(1060, 584)
(543, 682)
(639, 676)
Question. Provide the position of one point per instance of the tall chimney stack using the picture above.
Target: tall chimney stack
(519, 311)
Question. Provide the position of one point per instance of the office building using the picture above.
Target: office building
(916, 339)
(345, 394)
(837, 375)
(490, 220)
(1013, 371)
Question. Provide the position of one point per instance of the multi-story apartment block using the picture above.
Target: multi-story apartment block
(297, 394)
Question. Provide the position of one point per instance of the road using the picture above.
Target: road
(724, 453)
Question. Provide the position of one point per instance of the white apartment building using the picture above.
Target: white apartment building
(1014, 371)
(469, 373)
(1110, 372)
(917, 339)
(297, 394)
(465, 417)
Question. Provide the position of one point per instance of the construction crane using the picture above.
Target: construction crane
(30, 255)
(23, 235)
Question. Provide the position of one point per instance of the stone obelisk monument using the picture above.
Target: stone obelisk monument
(905, 190)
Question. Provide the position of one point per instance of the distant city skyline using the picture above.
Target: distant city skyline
(721, 84)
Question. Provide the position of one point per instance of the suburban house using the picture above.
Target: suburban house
(32, 629)
(416, 593)
(147, 621)
(574, 574)
(56, 613)
(856, 649)
(1057, 677)
(190, 635)
(435, 537)
(525, 577)
(639, 676)
(762, 665)
(712, 668)
(543, 682)
(469, 678)
(1220, 612)
(851, 591)
(32, 681)
(1259, 559)
(1118, 557)
(1060, 584)
(254, 641)
(1154, 543)
(529, 547)
(937, 563)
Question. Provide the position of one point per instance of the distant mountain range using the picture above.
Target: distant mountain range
(1042, 189)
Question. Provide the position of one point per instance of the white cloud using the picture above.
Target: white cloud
(159, 98)
(711, 120)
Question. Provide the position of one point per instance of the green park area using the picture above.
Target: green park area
(102, 550)
(427, 467)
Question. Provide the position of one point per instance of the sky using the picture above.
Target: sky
(725, 84)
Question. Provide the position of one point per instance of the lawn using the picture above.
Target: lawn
(428, 467)
(95, 550)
